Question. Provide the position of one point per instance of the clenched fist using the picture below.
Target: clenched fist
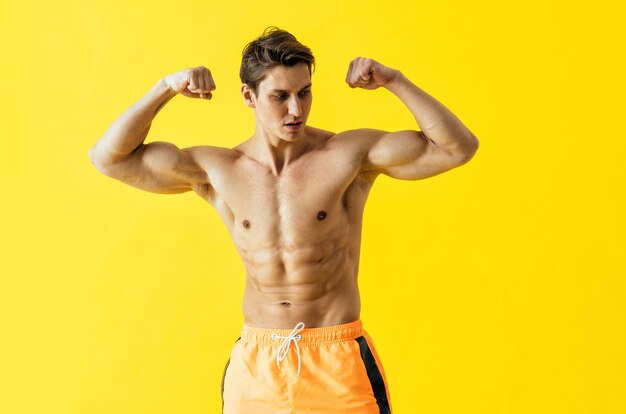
(193, 83)
(369, 74)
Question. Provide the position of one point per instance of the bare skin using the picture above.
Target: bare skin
(292, 196)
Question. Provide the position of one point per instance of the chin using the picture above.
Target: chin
(293, 136)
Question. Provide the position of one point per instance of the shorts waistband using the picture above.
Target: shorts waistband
(324, 334)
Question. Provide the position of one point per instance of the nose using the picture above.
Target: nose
(295, 108)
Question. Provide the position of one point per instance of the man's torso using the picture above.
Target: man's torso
(297, 231)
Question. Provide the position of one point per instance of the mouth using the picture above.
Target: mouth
(293, 126)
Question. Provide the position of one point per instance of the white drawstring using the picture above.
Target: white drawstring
(283, 350)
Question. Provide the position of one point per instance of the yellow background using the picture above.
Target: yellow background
(497, 287)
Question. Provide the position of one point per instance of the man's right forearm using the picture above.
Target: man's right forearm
(130, 130)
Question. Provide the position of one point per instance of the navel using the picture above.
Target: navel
(286, 304)
(321, 215)
(246, 224)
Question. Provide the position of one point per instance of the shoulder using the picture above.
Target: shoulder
(358, 141)
(319, 135)
(206, 155)
(202, 151)
(215, 161)
(361, 135)
(350, 145)
(351, 148)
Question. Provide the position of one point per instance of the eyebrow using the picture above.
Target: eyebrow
(282, 90)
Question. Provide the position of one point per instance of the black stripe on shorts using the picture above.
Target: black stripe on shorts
(373, 373)
(224, 377)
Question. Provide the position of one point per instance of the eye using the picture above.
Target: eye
(305, 93)
(280, 97)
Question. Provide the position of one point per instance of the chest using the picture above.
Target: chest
(309, 199)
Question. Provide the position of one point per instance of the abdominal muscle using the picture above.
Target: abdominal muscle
(314, 284)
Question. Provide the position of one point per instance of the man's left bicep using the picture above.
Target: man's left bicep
(410, 155)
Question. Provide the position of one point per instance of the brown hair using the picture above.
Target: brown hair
(274, 47)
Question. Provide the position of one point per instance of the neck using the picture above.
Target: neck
(277, 153)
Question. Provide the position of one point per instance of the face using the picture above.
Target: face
(282, 101)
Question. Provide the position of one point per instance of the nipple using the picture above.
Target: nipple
(246, 224)
(321, 215)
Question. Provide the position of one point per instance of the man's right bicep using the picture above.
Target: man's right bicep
(159, 167)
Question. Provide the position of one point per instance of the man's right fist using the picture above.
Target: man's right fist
(193, 83)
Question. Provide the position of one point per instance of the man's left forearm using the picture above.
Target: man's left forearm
(433, 118)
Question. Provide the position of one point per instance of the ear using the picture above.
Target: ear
(248, 95)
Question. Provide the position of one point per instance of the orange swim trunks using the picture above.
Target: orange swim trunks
(332, 369)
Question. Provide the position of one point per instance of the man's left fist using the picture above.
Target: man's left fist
(368, 74)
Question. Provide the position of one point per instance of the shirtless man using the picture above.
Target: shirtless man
(292, 197)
